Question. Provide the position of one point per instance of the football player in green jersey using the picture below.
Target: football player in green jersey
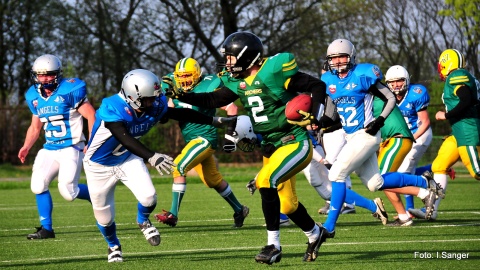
(264, 86)
(201, 142)
(461, 99)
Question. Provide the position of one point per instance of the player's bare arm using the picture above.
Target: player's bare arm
(425, 123)
(33, 133)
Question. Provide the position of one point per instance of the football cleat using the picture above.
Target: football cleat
(433, 186)
(324, 210)
(429, 202)
(41, 233)
(381, 214)
(451, 173)
(347, 209)
(401, 223)
(312, 248)
(269, 255)
(420, 213)
(150, 232)
(167, 218)
(115, 254)
(240, 216)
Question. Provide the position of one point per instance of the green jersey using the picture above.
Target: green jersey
(264, 96)
(395, 124)
(190, 131)
(465, 128)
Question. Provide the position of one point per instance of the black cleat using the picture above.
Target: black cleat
(240, 216)
(269, 255)
(312, 248)
(41, 233)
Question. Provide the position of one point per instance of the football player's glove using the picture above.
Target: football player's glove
(251, 186)
(373, 127)
(307, 119)
(173, 90)
(163, 163)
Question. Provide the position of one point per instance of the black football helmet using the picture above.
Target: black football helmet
(246, 47)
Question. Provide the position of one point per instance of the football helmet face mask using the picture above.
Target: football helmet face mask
(244, 137)
(241, 50)
(448, 61)
(341, 47)
(49, 65)
(140, 84)
(397, 73)
(187, 73)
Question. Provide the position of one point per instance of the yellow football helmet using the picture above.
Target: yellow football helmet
(450, 60)
(187, 73)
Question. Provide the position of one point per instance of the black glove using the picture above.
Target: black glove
(162, 163)
(373, 127)
(251, 186)
(173, 90)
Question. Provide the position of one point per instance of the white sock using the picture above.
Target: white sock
(442, 180)
(313, 234)
(274, 238)
(423, 193)
(403, 217)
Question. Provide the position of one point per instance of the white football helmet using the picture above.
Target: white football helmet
(244, 137)
(47, 64)
(395, 73)
(341, 47)
(137, 84)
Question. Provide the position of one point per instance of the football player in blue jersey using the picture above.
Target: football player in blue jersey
(352, 87)
(412, 100)
(115, 153)
(58, 106)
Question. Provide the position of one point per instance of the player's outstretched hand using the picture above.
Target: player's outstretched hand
(163, 163)
(173, 90)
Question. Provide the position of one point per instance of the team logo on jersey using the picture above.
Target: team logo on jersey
(417, 90)
(408, 106)
(35, 103)
(256, 83)
(243, 85)
(59, 99)
(71, 80)
(376, 71)
(350, 86)
(128, 111)
(332, 88)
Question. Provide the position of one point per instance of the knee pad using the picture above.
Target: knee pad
(38, 187)
(440, 167)
(375, 183)
(68, 194)
(148, 201)
(103, 215)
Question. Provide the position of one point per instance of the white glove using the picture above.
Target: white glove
(162, 163)
(252, 186)
(223, 121)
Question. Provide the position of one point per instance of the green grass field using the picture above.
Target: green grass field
(204, 238)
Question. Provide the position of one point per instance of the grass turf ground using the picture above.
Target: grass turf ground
(204, 238)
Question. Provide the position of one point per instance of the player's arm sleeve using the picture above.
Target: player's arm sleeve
(188, 115)
(219, 98)
(120, 132)
(380, 90)
(463, 93)
(302, 82)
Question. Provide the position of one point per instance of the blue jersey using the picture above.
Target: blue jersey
(105, 149)
(62, 122)
(415, 100)
(351, 96)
